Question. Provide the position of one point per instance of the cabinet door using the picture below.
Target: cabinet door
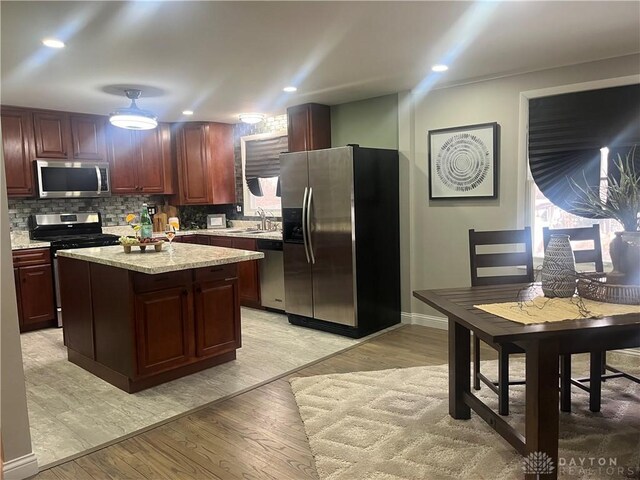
(221, 242)
(36, 294)
(217, 314)
(193, 164)
(123, 155)
(51, 134)
(222, 165)
(151, 164)
(88, 137)
(309, 127)
(248, 275)
(164, 329)
(17, 145)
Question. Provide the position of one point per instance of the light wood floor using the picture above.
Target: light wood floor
(255, 435)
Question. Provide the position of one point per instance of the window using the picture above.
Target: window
(261, 171)
(546, 214)
(572, 138)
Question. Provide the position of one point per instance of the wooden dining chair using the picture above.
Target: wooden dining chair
(515, 253)
(598, 360)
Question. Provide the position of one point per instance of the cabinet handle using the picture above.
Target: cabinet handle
(198, 290)
(185, 292)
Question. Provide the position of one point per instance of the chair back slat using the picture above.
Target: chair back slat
(506, 259)
(501, 280)
(587, 255)
(514, 259)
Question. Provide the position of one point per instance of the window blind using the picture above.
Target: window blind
(566, 133)
(262, 160)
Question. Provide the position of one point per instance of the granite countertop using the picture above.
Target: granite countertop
(234, 232)
(185, 256)
(20, 240)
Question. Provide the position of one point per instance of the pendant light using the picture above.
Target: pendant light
(133, 118)
(251, 118)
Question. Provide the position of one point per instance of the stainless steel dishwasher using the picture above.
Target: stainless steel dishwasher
(272, 274)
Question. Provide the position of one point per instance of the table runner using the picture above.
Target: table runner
(542, 309)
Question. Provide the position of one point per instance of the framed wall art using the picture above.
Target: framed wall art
(463, 162)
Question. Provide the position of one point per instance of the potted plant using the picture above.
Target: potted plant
(620, 202)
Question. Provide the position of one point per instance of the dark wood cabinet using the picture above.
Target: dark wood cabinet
(139, 160)
(34, 289)
(206, 169)
(164, 329)
(88, 136)
(186, 239)
(248, 272)
(69, 136)
(19, 151)
(215, 303)
(248, 275)
(221, 241)
(52, 134)
(309, 127)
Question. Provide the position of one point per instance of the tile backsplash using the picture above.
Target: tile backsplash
(113, 209)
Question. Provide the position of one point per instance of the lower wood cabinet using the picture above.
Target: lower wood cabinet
(215, 302)
(34, 289)
(164, 329)
(160, 328)
(248, 272)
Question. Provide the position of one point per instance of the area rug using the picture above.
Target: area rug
(394, 424)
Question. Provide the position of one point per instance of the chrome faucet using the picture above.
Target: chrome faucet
(263, 218)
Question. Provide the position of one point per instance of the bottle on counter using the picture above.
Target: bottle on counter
(146, 226)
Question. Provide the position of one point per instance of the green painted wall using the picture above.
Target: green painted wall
(369, 123)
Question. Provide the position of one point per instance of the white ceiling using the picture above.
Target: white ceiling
(223, 58)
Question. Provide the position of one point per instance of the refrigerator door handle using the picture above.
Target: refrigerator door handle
(313, 258)
(304, 224)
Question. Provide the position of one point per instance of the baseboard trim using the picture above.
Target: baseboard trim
(441, 323)
(21, 467)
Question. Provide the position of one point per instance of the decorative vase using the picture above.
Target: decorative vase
(559, 268)
(625, 257)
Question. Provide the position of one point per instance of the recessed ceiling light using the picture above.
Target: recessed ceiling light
(289, 89)
(53, 43)
(439, 68)
(252, 117)
(187, 112)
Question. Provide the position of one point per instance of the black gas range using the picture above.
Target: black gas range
(65, 231)
(70, 230)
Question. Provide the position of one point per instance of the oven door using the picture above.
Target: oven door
(60, 179)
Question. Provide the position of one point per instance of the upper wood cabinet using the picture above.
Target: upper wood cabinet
(72, 136)
(140, 160)
(18, 148)
(309, 127)
(88, 136)
(206, 170)
(52, 134)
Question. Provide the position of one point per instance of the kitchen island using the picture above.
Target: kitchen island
(141, 319)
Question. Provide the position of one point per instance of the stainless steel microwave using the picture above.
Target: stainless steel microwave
(61, 179)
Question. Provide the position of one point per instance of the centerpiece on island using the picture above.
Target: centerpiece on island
(127, 242)
(620, 200)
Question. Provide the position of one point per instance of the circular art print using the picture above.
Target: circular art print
(462, 162)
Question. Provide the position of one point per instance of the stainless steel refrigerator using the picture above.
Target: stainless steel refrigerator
(341, 240)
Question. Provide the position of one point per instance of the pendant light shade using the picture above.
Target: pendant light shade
(133, 118)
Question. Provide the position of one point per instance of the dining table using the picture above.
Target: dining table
(543, 345)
